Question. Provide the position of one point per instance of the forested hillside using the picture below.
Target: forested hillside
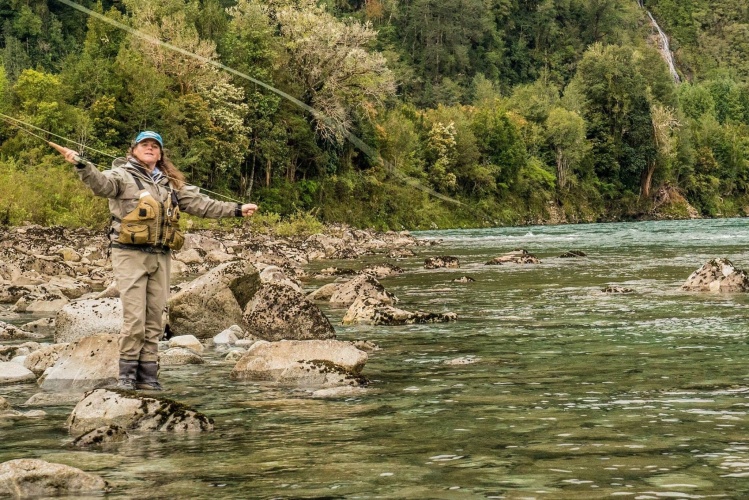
(517, 110)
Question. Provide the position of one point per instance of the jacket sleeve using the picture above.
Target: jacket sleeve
(105, 184)
(193, 202)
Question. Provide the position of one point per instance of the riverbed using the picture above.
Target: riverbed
(545, 387)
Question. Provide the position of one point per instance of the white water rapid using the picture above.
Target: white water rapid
(663, 45)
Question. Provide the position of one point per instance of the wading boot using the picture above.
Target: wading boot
(128, 371)
(148, 376)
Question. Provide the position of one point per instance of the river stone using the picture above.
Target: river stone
(573, 254)
(278, 312)
(43, 326)
(102, 407)
(38, 361)
(178, 356)
(47, 303)
(401, 253)
(320, 363)
(518, 256)
(361, 286)
(53, 399)
(4, 405)
(235, 355)
(70, 287)
(13, 373)
(101, 436)
(214, 301)
(382, 270)
(369, 311)
(442, 261)
(188, 342)
(324, 292)
(274, 274)
(88, 363)
(10, 332)
(717, 275)
(85, 318)
(229, 336)
(31, 478)
(191, 256)
(202, 243)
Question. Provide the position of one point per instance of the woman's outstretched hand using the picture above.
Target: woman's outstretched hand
(248, 209)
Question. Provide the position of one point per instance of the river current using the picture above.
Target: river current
(545, 387)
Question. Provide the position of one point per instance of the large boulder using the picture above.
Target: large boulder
(322, 363)
(10, 332)
(279, 312)
(46, 357)
(215, 301)
(85, 318)
(88, 363)
(31, 478)
(369, 311)
(102, 407)
(14, 373)
(717, 275)
(361, 286)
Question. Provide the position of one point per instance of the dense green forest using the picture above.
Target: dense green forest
(427, 113)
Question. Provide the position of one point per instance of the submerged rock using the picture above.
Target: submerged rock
(102, 407)
(519, 256)
(31, 478)
(278, 312)
(101, 436)
(214, 301)
(617, 289)
(717, 275)
(464, 279)
(368, 311)
(572, 254)
(319, 363)
(443, 261)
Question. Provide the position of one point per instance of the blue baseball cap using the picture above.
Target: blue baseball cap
(149, 134)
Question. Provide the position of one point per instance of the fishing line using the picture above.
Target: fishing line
(15, 123)
(369, 151)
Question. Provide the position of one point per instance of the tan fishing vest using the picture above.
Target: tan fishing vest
(152, 223)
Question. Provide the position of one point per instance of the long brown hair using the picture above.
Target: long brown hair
(176, 177)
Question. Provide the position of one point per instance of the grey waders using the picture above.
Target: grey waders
(128, 373)
(148, 376)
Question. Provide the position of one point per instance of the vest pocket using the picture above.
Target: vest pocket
(134, 234)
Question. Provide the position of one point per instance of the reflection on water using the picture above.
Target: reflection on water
(571, 393)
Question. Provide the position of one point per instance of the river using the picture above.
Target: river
(563, 392)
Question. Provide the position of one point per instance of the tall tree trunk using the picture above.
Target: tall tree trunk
(267, 173)
(647, 179)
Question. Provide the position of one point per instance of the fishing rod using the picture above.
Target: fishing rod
(369, 151)
(20, 125)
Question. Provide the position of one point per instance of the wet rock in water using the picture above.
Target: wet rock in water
(10, 332)
(319, 363)
(465, 360)
(228, 336)
(573, 254)
(53, 399)
(102, 407)
(4, 405)
(8, 352)
(13, 373)
(88, 363)
(717, 275)
(330, 272)
(401, 253)
(85, 318)
(188, 342)
(368, 311)
(382, 270)
(31, 478)
(178, 356)
(39, 360)
(324, 292)
(339, 392)
(365, 345)
(440, 262)
(464, 279)
(49, 302)
(617, 289)
(43, 326)
(214, 301)
(278, 312)
(519, 256)
(234, 355)
(101, 436)
(361, 286)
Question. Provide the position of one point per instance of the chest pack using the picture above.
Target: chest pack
(152, 222)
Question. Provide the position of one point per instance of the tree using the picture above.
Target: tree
(565, 131)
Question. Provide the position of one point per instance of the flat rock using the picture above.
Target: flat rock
(14, 373)
(188, 342)
(178, 356)
(519, 256)
(10, 332)
(102, 407)
(53, 399)
(369, 311)
(31, 478)
(88, 363)
(441, 261)
(85, 318)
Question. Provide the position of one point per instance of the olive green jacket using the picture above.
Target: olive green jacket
(119, 186)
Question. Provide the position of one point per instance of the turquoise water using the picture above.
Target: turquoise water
(567, 392)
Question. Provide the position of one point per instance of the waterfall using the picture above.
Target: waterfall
(663, 46)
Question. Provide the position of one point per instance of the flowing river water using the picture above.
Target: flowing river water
(545, 387)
